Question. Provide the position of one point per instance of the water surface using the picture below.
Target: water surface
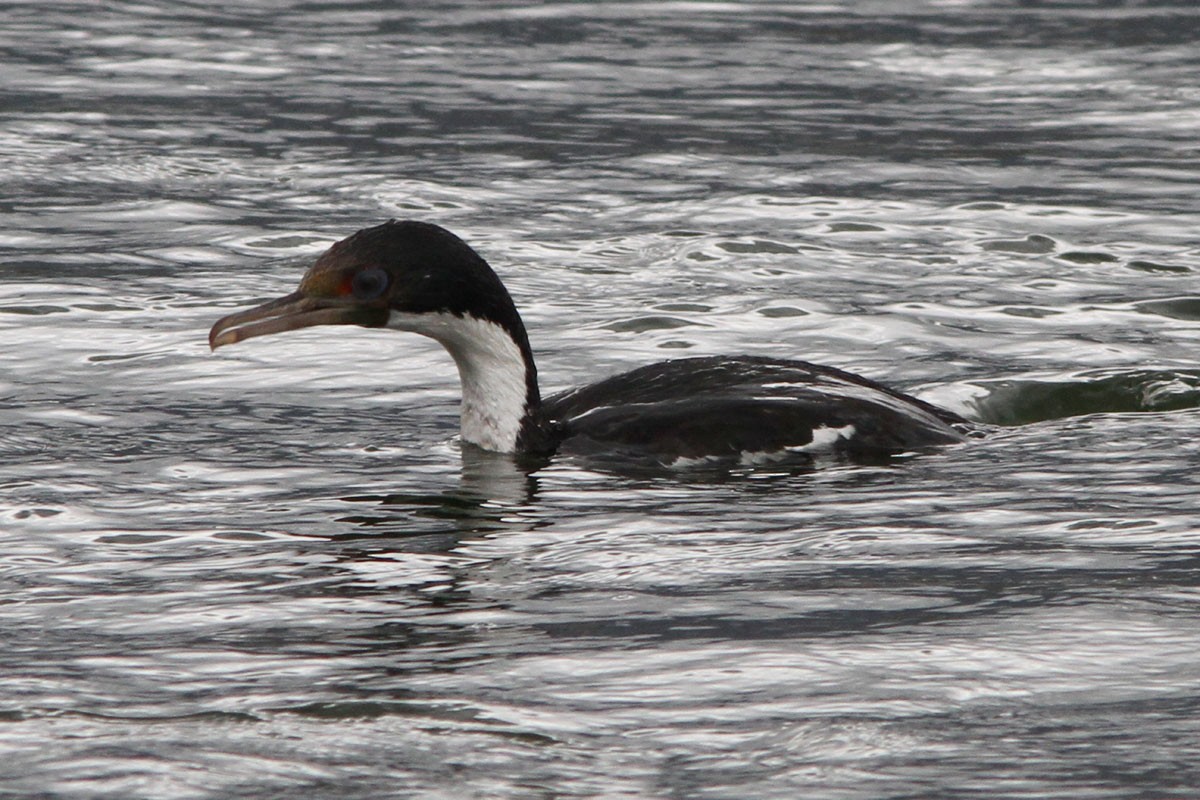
(273, 572)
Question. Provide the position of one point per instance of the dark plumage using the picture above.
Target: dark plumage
(730, 405)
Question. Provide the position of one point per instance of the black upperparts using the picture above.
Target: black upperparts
(737, 405)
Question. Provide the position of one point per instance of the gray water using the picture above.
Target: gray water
(272, 572)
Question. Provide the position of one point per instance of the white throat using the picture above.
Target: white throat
(490, 367)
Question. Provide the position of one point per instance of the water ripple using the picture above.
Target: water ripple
(274, 572)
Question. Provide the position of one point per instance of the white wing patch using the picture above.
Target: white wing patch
(824, 439)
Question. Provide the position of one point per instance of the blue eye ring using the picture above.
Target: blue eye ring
(369, 284)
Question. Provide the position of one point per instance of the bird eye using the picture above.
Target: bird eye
(369, 284)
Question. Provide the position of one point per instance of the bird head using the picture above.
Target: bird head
(408, 268)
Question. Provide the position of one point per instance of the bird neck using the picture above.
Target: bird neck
(495, 366)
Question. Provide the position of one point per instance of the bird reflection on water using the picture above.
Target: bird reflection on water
(494, 494)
